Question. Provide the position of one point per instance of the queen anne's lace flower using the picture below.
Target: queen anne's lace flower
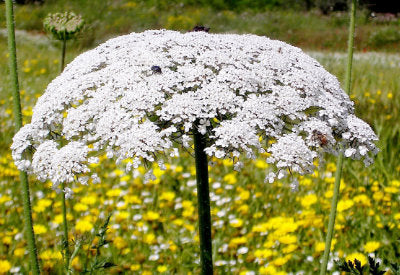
(143, 93)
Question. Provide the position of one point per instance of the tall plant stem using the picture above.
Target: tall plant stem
(339, 163)
(30, 236)
(350, 47)
(332, 215)
(203, 198)
(65, 242)
(63, 50)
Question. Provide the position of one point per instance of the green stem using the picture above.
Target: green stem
(18, 124)
(64, 47)
(350, 47)
(76, 250)
(332, 215)
(203, 198)
(339, 164)
(65, 242)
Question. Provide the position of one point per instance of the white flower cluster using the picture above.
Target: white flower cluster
(141, 94)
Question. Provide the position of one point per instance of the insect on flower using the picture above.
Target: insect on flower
(156, 69)
(200, 28)
(319, 137)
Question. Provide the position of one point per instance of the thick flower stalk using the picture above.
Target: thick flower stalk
(140, 96)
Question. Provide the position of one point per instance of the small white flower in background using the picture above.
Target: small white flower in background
(220, 263)
(233, 88)
(242, 250)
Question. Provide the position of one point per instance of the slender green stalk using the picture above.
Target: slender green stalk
(339, 163)
(65, 242)
(64, 47)
(350, 47)
(18, 124)
(332, 215)
(78, 246)
(203, 198)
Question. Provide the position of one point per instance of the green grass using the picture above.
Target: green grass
(309, 30)
(158, 218)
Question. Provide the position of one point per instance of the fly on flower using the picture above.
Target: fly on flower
(319, 137)
(199, 28)
(156, 69)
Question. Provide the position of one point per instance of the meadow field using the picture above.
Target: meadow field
(258, 228)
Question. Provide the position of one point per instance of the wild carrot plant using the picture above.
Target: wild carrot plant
(139, 98)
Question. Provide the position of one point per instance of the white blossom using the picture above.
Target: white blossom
(232, 88)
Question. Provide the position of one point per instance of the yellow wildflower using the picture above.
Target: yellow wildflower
(362, 199)
(134, 267)
(167, 196)
(243, 209)
(189, 227)
(122, 215)
(261, 164)
(42, 205)
(230, 178)
(19, 252)
(391, 189)
(264, 253)
(162, 268)
(83, 226)
(149, 238)
(151, 216)
(371, 246)
(244, 195)
(227, 162)
(6, 240)
(268, 270)
(395, 183)
(357, 256)
(236, 223)
(39, 229)
(120, 243)
(132, 199)
(113, 192)
(80, 207)
(89, 200)
(5, 266)
(281, 260)
(237, 241)
(378, 196)
(344, 205)
(289, 249)
(308, 200)
(178, 222)
(48, 254)
(288, 239)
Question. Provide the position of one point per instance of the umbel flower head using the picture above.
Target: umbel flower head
(63, 26)
(142, 94)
